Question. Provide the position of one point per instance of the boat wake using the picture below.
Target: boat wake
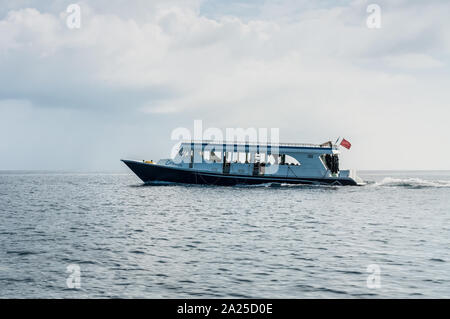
(284, 185)
(413, 183)
(264, 185)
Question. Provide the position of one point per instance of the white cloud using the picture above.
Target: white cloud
(413, 61)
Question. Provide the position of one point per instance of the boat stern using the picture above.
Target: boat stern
(351, 174)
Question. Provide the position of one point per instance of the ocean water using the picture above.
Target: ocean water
(388, 239)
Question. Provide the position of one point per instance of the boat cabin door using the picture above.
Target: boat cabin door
(226, 165)
(258, 166)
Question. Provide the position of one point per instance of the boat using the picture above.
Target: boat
(236, 163)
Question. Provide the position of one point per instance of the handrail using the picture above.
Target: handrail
(256, 143)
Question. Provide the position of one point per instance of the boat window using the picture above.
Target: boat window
(291, 161)
(241, 157)
(187, 152)
(273, 159)
(281, 159)
(213, 156)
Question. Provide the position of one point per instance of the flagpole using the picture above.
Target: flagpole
(337, 140)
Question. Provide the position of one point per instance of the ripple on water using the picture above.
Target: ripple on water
(274, 240)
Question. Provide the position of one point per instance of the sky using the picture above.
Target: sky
(83, 98)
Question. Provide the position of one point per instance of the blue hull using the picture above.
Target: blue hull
(149, 173)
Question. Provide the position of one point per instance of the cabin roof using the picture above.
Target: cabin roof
(255, 145)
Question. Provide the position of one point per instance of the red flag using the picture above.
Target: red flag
(346, 143)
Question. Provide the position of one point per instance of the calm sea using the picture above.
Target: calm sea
(390, 238)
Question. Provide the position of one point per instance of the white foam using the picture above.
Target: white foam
(412, 182)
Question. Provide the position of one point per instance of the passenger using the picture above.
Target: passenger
(214, 157)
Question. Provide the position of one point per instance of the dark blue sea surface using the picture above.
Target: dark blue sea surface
(178, 241)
